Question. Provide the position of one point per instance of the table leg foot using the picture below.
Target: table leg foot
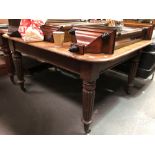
(22, 87)
(128, 89)
(87, 128)
(152, 76)
(21, 84)
(12, 79)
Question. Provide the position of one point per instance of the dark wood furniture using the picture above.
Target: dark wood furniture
(3, 69)
(99, 38)
(7, 55)
(61, 25)
(89, 66)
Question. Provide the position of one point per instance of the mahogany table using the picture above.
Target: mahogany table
(88, 66)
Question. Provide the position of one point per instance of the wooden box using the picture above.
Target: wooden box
(61, 25)
(92, 40)
(102, 39)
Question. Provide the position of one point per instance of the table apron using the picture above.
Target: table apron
(39, 54)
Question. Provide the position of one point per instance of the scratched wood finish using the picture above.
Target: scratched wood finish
(88, 57)
(88, 66)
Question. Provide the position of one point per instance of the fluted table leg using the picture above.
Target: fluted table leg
(8, 60)
(19, 69)
(88, 103)
(10, 66)
(132, 73)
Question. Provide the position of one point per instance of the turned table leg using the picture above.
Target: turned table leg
(88, 103)
(8, 60)
(10, 66)
(19, 69)
(132, 72)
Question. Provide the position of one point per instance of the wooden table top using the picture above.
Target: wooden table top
(88, 57)
(3, 31)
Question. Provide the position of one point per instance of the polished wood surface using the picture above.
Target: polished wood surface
(92, 40)
(60, 25)
(89, 66)
(89, 57)
(2, 31)
(126, 34)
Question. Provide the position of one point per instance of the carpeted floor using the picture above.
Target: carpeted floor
(52, 105)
